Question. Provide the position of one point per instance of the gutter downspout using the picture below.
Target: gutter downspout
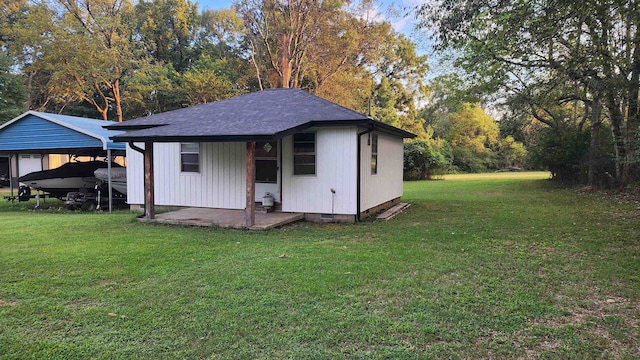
(17, 174)
(359, 170)
(141, 151)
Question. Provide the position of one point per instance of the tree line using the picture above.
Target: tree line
(566, 74)
(560, 77)
(122, 59)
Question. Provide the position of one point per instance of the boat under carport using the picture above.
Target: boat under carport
(43, 133)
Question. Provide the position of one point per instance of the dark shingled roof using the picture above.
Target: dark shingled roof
(268, 114)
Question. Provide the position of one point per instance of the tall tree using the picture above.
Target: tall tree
(400, 86)
(346, 41)
(222, 36)
(13, 94)
(168, 28)
(336, 50)
(208, 80)
(26, 34)
(151, 89)
(94, 52)
(281, 31)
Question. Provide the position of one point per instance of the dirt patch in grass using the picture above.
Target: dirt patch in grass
(7, 303)
(83, 303)
(489, 193)
(594, 320)
(629, 196)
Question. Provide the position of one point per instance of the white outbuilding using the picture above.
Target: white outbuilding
(311, 155)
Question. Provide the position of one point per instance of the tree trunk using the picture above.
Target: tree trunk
(594, 150)
(149, 191)
(115, 89)
(250, 205)
(617, 121)
(117, 99)
(254, 49)
(29, 101)
(285, 64)
(102, 112)
(633, 115)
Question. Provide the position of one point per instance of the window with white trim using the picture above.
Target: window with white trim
(304, 153)
(190, 157)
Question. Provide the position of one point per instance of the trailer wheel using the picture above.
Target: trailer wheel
(88, 205)
(24, 193)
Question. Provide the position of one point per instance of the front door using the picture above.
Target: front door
(267, 170)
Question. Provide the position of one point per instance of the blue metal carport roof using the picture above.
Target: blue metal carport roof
(39, 132)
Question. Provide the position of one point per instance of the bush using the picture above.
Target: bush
(424, 159)
(466, 160)
(563, 151)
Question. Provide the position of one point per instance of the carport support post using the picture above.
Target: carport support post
(250, 209)
(11, 182)
(109, 180)
(149, 200)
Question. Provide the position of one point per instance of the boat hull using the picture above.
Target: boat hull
(67, 178)
(61, 186)
(118, 178)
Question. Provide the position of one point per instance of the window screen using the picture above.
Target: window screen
(304, 154)
(190, 157)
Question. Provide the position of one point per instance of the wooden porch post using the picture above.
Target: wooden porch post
(149, 199)
(250, 209)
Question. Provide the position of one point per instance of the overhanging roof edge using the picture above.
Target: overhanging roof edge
(204, 138)
(30, 112)
(75, 128)
(106, 142)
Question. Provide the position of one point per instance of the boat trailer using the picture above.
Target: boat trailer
(24, 194)
(75, 200)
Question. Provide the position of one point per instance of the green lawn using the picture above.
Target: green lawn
(495, 266)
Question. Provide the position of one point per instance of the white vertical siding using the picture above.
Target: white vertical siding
(387, 183)
(219, 184)
(135, 175)
(221, 181)
(335, 168)
(28, 163)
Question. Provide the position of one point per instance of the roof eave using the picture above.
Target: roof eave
(71, 151)
(376, 124)
(213, 138)
(392, 130)
(123, 127)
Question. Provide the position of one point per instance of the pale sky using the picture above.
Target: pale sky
(391, 10)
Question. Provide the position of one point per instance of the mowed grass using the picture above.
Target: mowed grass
(500, 266)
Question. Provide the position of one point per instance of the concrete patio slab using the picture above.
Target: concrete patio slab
(225, 218)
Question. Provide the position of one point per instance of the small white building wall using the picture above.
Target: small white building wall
(28, 163)
(135, 176)
(219, 184)
(386, 185)
(335, 169)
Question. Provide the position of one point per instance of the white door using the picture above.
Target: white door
(29, 163)
(267, 170)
